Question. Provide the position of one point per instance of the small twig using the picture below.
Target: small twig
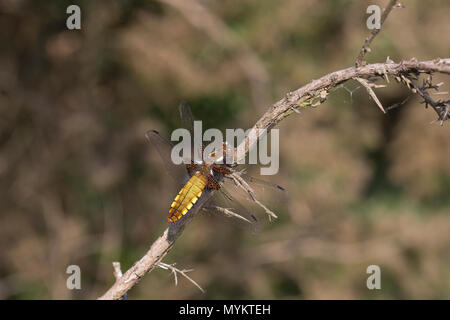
(398, 104)
(117, 271)
(118, 274)
(182, 272)
(443, 93)
(366, 46)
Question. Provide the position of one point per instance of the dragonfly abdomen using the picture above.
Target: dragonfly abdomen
(187, 197)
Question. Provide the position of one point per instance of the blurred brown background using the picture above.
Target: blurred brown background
(80, 185)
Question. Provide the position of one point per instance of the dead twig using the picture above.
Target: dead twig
(183, 272)
(118, 274)
(117, 270)
(366, 46)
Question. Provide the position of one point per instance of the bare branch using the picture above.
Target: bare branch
(315, 92)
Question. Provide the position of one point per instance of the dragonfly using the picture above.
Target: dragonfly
(208, 184)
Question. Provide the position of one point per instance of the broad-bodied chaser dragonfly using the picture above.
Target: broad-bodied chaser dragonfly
(208, 184)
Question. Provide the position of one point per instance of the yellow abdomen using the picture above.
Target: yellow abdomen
(187, 197)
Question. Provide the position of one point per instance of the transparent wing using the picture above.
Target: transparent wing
(266, 185)
(258, 195)
(187, 120)
(164, 147)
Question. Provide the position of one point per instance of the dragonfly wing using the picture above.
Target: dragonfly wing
(164, 147)
(187, 120)
(266, 189)
(263, 196)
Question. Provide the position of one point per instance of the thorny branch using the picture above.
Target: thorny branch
(440, 106)
(310, 95)
(316, 92)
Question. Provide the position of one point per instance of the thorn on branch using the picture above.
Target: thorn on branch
(295, 110)
(369, 89)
